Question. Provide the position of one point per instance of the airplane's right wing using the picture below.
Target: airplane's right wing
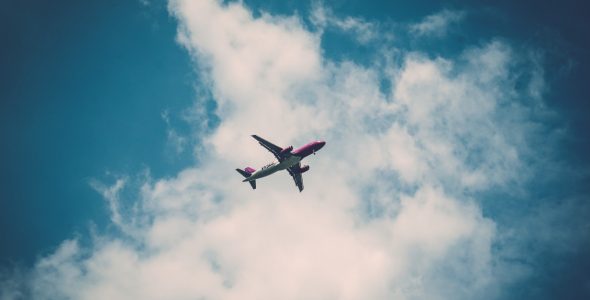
(274, 149)
(294, 172)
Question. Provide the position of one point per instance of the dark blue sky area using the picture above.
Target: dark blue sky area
(83, 85)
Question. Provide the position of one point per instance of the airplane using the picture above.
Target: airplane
(288, 159)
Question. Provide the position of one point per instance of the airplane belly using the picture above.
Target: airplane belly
(285, 164)
(263, 173)
(289, 162)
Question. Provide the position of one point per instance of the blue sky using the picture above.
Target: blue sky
(84, 88)
(119, 119)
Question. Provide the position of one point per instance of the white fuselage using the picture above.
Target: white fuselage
(274, 167)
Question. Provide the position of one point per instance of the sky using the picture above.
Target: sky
(455, 166)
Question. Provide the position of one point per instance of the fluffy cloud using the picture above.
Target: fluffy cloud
(363, 31)
(437, 24)
(390, 205)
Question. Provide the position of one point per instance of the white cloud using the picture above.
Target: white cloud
(174, 140)
(363, 31)
(448, 128)
(111, 195)
(437, 24)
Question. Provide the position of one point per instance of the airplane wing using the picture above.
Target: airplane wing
(294, 172)
(274, 149)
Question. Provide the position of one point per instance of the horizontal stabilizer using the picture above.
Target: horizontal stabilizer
(247, 173)
(244, 173)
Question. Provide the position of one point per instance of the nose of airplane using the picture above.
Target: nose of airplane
(321, 144)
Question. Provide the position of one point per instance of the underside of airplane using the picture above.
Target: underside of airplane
(287, 159)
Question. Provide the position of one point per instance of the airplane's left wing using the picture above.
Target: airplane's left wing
(294, 172)
(274, 149)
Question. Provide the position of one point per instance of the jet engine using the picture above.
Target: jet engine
(287, 150)
(304, 169)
